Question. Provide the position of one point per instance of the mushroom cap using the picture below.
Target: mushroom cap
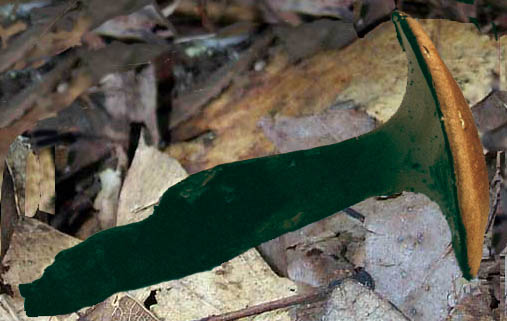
(467, 152)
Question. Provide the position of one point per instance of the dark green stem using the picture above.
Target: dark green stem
(213, 216)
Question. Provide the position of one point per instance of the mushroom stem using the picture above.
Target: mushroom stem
(217, 214)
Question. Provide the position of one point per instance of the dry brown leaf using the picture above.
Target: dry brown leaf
(12, 309)
(243, 281)
(318, 253)
(149, 176)
(42, 41)
(380, 66)
(53, 43)
(353, 301)
(33, 247)
(38, 101)
(119, 307)
(371, 72)
(332, 126)
(40, 182)
(32, 182)
(409, 255)
(307, 39)
(136, 26)
(9, 211)
(328, 8)
(491, 118)
(476, 305)
(51, 34)
(16, 162)
(133, 96)
(47, 181)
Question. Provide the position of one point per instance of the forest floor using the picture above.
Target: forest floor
(104, 105)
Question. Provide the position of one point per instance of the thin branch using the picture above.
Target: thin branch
(496, 188)
(315, 295)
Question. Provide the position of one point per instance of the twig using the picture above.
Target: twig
(14, 188)
(315, 295)
(354, 214)
(140, 208)
(8, 306)
(496, 188)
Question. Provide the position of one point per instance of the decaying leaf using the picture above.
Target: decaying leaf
(375, 62)
(408, 254)
(244, 281)
(33, 247)
(118, 307)
(53, 43)
(133, 96)
(61, 27)
(384, 94)
(40, 182)
(353, 301)
(309, 38)
(476, 305)
(136, 26)
(150, 175)
(491, 118)
(318, 253)
(16, 162)
(332, 126)
(10, 216)
(33, 46)
(12, 309)
(327, 8)
(38, 101)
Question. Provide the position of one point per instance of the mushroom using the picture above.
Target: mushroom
(429, 146)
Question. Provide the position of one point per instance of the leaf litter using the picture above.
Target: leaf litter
(326, 250)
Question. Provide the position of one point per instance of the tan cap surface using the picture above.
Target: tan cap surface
(469, 163)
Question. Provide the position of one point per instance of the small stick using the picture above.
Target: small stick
(354, 214)
(496, 184)
(315, 295)
(8, 306)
